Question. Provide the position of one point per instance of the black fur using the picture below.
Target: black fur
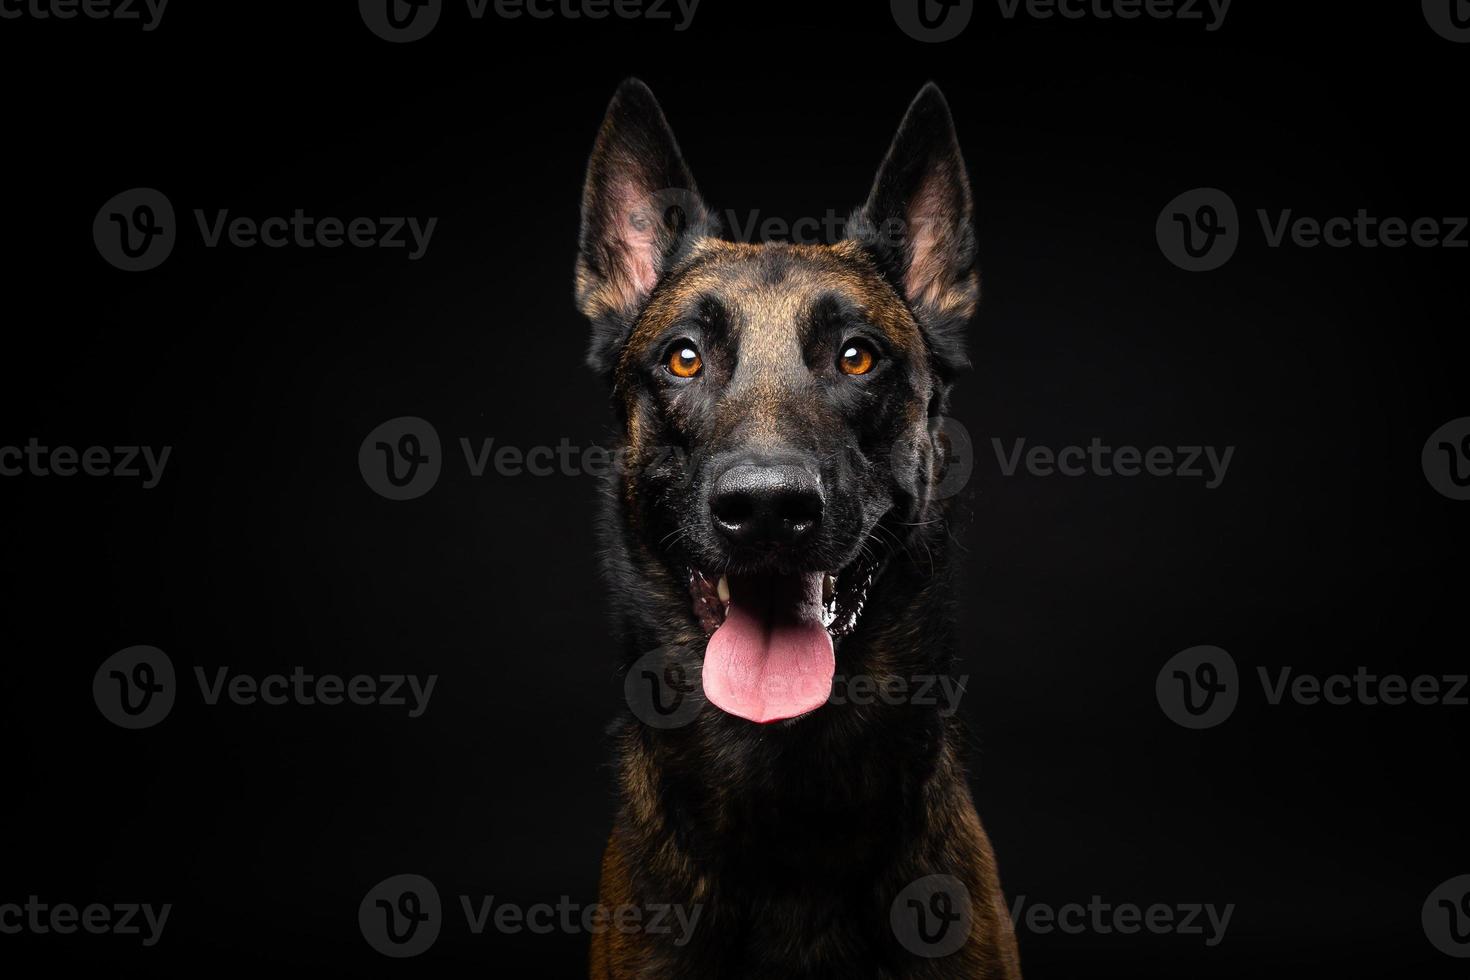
(794, 838)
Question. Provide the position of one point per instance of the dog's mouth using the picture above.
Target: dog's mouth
(769, 655)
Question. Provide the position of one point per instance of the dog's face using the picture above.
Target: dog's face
(780, 400)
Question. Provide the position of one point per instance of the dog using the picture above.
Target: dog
(776, 516)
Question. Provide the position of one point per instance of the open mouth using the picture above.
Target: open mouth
(770, 656)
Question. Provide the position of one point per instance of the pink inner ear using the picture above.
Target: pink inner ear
(931, 220)
(638, 238)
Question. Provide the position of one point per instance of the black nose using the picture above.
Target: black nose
(757, 504)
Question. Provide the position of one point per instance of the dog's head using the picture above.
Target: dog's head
(780, 401)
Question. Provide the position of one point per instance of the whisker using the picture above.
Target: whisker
(677, 534)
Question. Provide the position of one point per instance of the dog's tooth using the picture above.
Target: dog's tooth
(723, 589)
(829, 588)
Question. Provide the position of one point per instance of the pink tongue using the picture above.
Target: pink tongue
(772, 658)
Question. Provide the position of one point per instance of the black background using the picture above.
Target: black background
(1325, 548)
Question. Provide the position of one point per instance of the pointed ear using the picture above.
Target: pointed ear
(918, 225)
(640, 210)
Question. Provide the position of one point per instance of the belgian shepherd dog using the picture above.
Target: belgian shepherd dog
(774, 528)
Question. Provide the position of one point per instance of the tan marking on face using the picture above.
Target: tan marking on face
(769, 290)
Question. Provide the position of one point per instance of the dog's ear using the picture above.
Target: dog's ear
(640, 210)
(918, 225)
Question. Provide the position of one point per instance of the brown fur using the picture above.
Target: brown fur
(795, 840)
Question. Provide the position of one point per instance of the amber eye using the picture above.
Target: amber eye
(857, 358)
(684, 360)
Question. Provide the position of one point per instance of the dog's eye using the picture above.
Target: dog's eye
(684, 360)
(857, 358)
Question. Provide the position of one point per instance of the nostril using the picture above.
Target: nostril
(733, 509)
(799, 511)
